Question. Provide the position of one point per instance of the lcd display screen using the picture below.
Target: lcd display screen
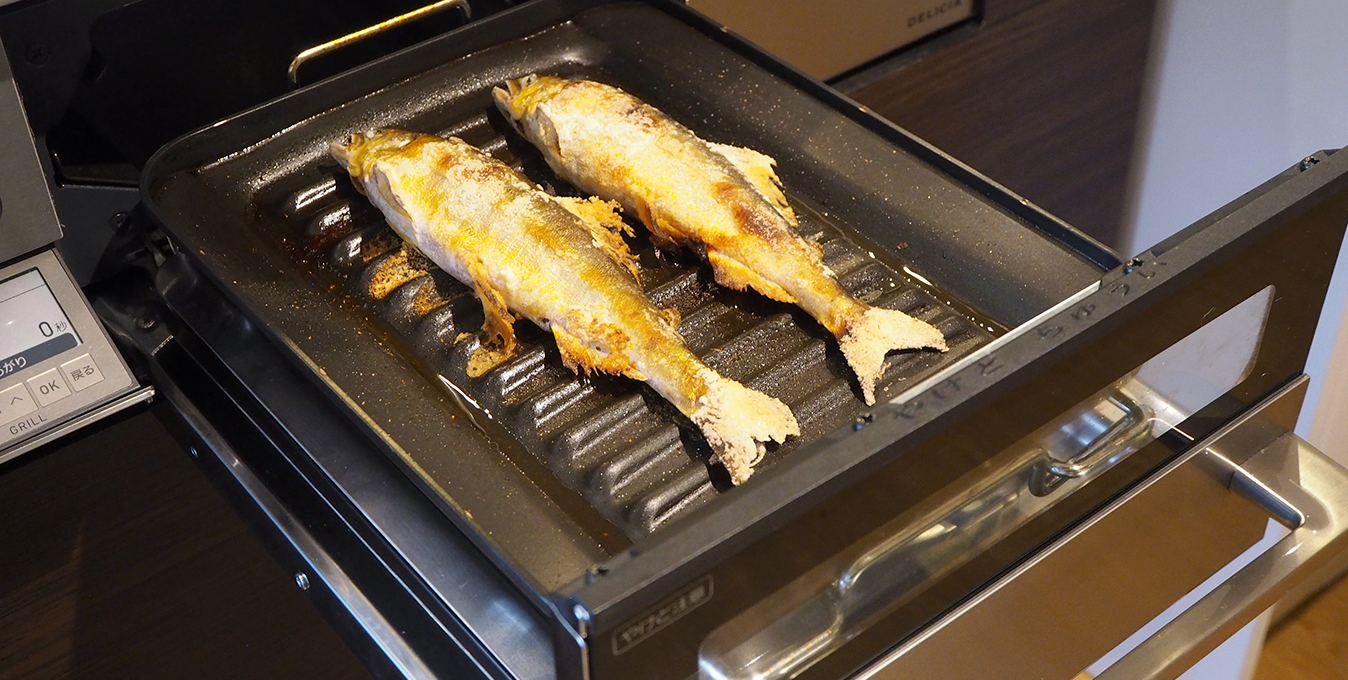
(33, 326)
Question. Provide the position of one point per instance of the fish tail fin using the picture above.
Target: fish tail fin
(738, 422)
(875, 332)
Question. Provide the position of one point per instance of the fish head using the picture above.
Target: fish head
(355, 153)
(521, 96)
(520, 101)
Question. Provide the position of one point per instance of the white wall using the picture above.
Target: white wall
(1218, 123)
(1318, 118)
(1239, 91)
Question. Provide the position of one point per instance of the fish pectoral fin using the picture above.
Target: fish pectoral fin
(390, 197)
(757, 168)
(606, 227)
(578, 355)
(498, 333)
(663, 235)
(732, 274)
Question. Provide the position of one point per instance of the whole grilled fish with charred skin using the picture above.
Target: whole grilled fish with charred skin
(722, 200)
(561, 263)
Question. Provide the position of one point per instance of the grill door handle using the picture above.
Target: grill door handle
(293, 73)
(1304, 490)
(1068, 453)
(1113, 440)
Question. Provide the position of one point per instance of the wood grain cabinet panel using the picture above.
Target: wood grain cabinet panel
(1042, 96)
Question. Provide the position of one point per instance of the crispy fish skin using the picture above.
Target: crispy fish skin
(558, 263)
(724, 200)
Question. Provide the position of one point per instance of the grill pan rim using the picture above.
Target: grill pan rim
(181, 154)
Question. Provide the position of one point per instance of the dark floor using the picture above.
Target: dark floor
(118, 560)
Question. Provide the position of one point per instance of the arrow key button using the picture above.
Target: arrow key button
(15, 402)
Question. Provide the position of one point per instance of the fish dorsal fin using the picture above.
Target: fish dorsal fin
(732, 274)
(757, 168)
(607, 228)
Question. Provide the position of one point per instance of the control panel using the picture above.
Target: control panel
(56, 362)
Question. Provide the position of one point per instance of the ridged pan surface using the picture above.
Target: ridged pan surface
(633, 457)
(558, 470)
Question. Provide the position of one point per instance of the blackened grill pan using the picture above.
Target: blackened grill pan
(536, 463)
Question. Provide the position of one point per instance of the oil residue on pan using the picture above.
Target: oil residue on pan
(631, 455)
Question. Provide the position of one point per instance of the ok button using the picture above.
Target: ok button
(49, 387)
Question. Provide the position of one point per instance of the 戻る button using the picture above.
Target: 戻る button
(49, 387)
(81, 372)
(14, 402)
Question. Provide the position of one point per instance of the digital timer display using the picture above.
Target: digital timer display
(33, 326)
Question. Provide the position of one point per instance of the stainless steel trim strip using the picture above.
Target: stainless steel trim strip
(1289, 478)
(995, 345)
(322, 565)
(143, 394)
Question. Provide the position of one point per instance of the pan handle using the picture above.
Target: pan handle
(1304, 490)
(293, 73)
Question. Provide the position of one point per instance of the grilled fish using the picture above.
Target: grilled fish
(722, 200)
(561, 263)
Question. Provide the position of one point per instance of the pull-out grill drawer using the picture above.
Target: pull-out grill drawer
(597, 461)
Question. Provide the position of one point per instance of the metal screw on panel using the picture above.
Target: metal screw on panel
(120, 221)
(594, 572)
(145, 324)
(302, 580)
(1307, 162)
(192, 451)
(37, 54)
